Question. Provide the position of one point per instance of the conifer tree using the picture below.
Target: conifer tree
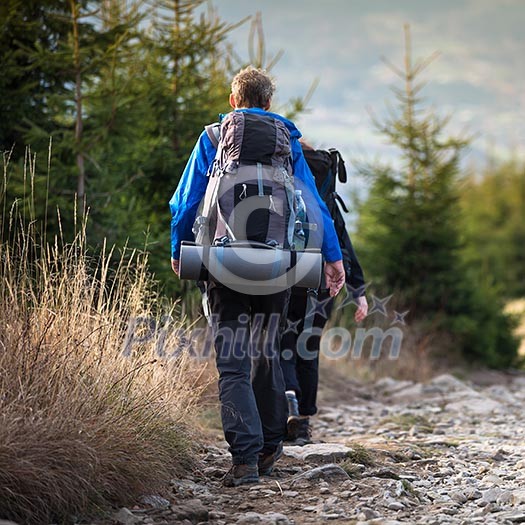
(409, 229)
(187, 80)
(29, 30)
(183, 85)
(66, 58)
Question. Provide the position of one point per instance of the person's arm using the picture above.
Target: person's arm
(325, 237)
(355, 279)
(362, 309)
(317, 212)
(188, 195)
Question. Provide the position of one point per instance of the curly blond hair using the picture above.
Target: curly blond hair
(252, 88)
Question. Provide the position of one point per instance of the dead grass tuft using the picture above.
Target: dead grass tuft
(85, 421)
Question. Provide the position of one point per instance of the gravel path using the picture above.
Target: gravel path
(442, 452)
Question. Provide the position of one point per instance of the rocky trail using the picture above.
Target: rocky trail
(442, 452)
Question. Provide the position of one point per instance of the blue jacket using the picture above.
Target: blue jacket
(194, 180)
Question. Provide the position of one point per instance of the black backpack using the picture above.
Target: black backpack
(328, 166)
(250, 194)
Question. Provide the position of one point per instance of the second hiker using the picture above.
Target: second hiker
(308, 312)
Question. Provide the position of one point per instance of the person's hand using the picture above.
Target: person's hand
(175, 266)
(334, 274)
(362, 309)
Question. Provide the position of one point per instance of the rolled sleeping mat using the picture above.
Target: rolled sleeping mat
(255, 271)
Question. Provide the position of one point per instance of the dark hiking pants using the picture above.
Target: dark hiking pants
(246, 330)
(301, 369)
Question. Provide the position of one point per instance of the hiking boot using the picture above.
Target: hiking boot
(241, 475)
(293, 405)
(299, 430)
(267, 460)
(293, 414)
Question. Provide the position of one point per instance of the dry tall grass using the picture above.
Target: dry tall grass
(420, 355)
(517, 308)
(82, 425)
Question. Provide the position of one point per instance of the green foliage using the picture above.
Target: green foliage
(124, 90)
(477, 321)
(360, 455)
(75, 59)
(184, 82)
(410, 233)
(29, 29)
(494, 226)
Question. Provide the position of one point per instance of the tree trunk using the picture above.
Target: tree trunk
(176, 72)
(81, 181)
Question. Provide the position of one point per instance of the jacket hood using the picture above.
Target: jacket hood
(292, 128)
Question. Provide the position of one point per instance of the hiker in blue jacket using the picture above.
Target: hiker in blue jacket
(251, 388)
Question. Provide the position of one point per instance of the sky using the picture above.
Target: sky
(477, 79)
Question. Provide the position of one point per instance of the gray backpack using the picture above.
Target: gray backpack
(250, 193)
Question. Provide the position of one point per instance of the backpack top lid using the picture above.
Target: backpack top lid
(326, 166)
(262, 138)
(250, 138)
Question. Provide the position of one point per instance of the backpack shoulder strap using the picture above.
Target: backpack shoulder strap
(213, 131)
